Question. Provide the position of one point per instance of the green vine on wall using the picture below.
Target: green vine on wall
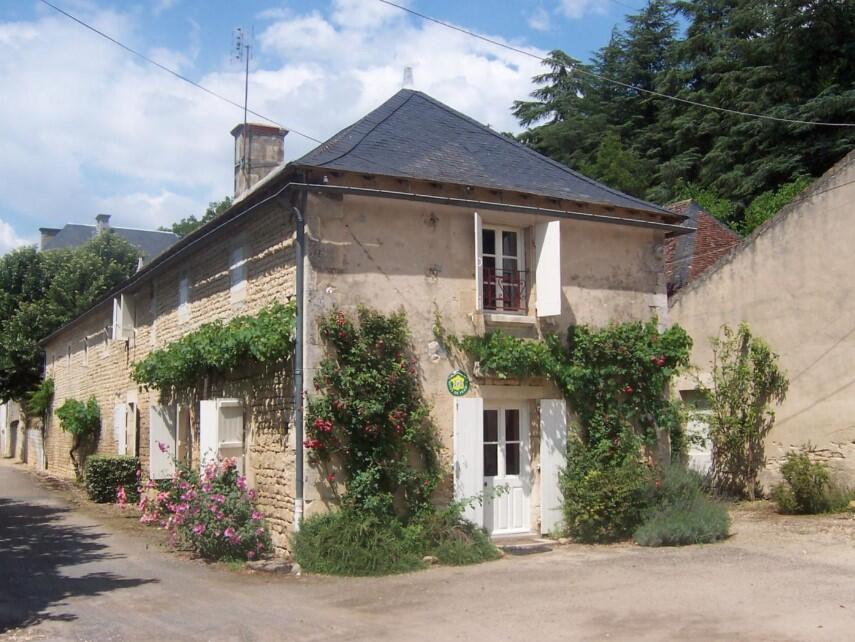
(216, 348)
(615, 378)
(369, 417)
(39, 399)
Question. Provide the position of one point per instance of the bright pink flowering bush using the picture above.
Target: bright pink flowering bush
(212, 514)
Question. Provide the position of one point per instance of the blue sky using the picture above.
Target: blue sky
(87, 128)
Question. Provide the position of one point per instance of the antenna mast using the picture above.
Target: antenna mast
(242, 51)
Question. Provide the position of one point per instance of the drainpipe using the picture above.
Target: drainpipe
(300, 223)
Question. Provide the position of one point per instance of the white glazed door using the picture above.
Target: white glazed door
(507, 487)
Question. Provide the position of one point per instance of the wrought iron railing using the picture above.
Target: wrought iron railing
(505, 290)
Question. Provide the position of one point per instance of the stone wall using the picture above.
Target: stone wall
(85, 362)
(791, 281)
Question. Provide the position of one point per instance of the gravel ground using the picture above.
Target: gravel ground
(73, 571)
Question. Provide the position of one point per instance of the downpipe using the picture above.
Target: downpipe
(300, 253)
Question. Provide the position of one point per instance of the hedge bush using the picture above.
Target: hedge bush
(357, 543)
(808, 489)
(680, 513)
(104, 474)
(604, 498)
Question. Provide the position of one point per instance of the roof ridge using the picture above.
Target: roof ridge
(533, 152)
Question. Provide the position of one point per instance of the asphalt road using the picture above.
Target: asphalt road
(64, 576)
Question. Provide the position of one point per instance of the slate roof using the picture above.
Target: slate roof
(149, 242)
(412, 135)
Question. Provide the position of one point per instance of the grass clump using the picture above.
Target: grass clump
(680, 513)
(808, 488)
(358, 543)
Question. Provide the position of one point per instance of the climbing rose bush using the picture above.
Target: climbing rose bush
(212, 514)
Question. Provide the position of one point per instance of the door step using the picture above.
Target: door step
(520, 546)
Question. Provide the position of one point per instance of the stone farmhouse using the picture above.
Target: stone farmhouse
(791, 281)
(415, 207)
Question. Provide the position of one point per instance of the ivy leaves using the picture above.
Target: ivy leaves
(266, 338)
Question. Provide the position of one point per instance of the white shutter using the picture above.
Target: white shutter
(117, 319)
(553, 458)
(120, 433)
(547, 241)
(237, 273)
(208, 432)
(127, 316)
(469, 454)
(231, 430)
(161, 430)
(479, 265)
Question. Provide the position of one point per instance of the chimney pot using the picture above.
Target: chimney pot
(47, 233)
(259, 149)
(102, 222)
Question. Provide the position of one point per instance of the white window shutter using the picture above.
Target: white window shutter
(117, 319)
(479, 265)
(547, 241)
(209, 440)
(127, 316)
(553, 458)
(237, 274)
(120, 433)
(230, 442)
(161, 430)
(469, 454)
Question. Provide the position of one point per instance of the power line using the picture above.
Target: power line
(173, 72)
(579, 70)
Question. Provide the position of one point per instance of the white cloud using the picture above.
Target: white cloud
(90, 128)
(579, 8)
(539, 20)
(9, 239)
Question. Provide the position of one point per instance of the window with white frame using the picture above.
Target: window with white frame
(237, 274)
(123, 317)
(504, 273)
(502, 279)
(184, 298)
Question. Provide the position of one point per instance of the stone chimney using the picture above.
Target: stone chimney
(259, 149)
(47, 233)
(102, 223)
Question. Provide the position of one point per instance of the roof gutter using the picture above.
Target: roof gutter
(669, 228)
(226, 219)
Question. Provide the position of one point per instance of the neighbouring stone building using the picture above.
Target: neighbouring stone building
(791, 281)
(415, 207)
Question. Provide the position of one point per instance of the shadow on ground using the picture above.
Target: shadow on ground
(38, 553)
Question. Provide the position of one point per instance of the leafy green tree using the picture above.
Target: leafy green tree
(186, 225)
(791, 59)
(41, 291)
(770, 203)
(620, 168)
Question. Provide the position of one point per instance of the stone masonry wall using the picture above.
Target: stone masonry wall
(100, 366)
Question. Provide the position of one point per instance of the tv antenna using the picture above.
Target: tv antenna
(242, 52)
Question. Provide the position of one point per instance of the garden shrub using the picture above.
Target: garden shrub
(604, 495)
(356, 542)
(38, 401)
(679, 512)
(105, 475)
(212, 514)
(808, 488)
(747, 381)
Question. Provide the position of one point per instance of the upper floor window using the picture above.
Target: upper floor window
(504, 275)
(502, 279)
(123, 317)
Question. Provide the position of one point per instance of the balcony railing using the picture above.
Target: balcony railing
(505, 290)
